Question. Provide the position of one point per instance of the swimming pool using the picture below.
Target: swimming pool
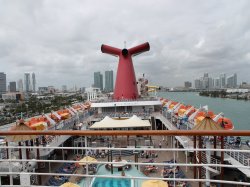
(109, 182)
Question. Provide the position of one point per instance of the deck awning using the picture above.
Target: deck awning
(109, 123)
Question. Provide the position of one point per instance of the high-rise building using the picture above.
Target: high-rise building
(232, 81)
(197, 84)
(12, 86)
(222, 80)
(187, 84)
(205, 81)
(27, 85)
(217, 83)
(33, 82)
(109, 81)
(98, 80)
(205, 75)
(20, 85)
(210, 83)
(2, 83)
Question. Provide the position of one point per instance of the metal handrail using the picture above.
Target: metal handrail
(131, 133)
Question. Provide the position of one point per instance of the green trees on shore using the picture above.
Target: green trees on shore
(221, 93)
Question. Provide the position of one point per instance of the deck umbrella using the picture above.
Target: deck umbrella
(207, 124)
(21, 126)
(154, 183)
(69, 184)
(20, 138)
(87, 159)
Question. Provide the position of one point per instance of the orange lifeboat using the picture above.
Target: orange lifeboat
(226, 122)
(183, 109)
(172, 104)
(65, 114)
(77, 107)
(40, 123)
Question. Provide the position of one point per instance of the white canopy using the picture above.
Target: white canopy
(109, 123)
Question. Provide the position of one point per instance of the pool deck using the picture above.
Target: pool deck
(162, 156)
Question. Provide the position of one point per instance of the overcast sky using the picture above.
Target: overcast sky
(60, 40)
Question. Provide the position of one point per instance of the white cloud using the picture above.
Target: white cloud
(200, 43)
(60, 40)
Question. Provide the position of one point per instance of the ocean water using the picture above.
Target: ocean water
(237, 110)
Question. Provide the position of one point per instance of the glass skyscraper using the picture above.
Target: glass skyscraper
(33, 82)
(2, 83)
(12, 86)
(98, 80)
(27, 85)
(109, 81)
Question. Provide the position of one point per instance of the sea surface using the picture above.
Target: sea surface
(237, 110)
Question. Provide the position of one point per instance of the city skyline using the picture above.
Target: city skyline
(20, 84)
(212, 38)
(222, 81)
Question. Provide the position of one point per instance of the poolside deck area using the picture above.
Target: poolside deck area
(162, 156)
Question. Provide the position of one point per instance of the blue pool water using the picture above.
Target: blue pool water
(108, 182)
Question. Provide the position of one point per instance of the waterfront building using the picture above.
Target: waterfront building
(98, 80)
(245, 85)
(12, 87)
(232, 81)
(210, 83)
(2, 83)
(33, 82)
(20, 85)
(222, 80)
(187, 84)
(109, 81)
(197, 84)
(217, 83)
(27, 85)
(204, 82)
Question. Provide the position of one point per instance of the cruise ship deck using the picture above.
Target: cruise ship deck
(127, 157)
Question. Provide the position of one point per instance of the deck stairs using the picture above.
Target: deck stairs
(214, 170)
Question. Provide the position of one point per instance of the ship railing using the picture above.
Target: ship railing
(127, 100)
(243, 158)
(190, 166)
(156, 164)
(143, 115)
